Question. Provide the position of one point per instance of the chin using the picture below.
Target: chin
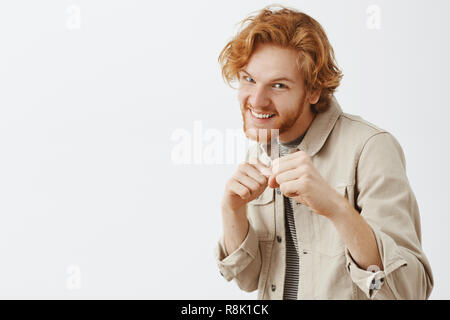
(251, 133)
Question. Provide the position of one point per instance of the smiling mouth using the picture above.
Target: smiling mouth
(261, 115)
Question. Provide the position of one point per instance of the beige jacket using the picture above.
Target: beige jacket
(366, 165)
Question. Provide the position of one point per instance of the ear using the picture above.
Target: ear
(314, 96)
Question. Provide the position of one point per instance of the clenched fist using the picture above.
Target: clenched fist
(298, 178)
(246, 184)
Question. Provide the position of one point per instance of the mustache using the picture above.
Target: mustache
(249, 106)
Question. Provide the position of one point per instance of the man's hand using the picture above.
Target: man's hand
(297, 178)
(246, 184)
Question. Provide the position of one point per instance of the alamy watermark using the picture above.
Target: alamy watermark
(373, 21)
(73, 21)
(218, 147)
(73, 280)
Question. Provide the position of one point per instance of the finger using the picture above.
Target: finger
(293, 174)
(290, 188)
(294, 153)
(237, 188)
(256, 174)
(273, 182)
(248, 182)
(283, 164)
(265, 171)
(262, 168)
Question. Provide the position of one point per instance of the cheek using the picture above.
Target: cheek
(242, 95)
(283, 105)
(287, 105)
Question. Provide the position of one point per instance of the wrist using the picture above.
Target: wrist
(339, 209)
(235, 212)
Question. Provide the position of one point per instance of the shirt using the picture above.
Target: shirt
(291, 280)
(366, 165)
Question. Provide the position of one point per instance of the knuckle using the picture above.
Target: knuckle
(253, 160)
(232, 187)
(253, 185)
(263, 180)
(242, 166)
(238, 175)
(307, 174)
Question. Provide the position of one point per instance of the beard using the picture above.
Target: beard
(269, 133)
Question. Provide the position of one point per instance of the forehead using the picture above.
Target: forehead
(270, 62)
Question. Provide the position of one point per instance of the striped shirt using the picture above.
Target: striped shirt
(291, 280)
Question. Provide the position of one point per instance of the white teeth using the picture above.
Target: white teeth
(260, 115)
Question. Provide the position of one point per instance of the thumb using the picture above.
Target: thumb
(273, 182)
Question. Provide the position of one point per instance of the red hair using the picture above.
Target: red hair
(287, 28)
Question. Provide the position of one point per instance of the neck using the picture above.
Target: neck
(299, 128)
(293, 143)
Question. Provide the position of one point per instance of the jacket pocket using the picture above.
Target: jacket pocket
(328, 240)
(261, 215)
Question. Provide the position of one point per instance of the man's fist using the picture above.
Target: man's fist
(298, 178)
(246, 184)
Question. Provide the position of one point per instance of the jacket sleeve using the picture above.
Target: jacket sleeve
(385, 200)
(244, 264)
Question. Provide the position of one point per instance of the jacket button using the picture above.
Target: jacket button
(278, 191)
(279, 239)
(274, 287)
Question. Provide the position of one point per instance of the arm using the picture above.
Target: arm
(243, 264)
(235, 227)
(384, 227)
(239, 238)
(386, 232)
(356, 234)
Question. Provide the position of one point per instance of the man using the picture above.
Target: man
(332, 216)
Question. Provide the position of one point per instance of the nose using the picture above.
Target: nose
(259, 98)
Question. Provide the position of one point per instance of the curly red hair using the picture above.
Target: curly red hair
(287, 28)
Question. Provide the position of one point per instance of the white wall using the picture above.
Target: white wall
(92, 204)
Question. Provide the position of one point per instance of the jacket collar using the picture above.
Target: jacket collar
(320, 128)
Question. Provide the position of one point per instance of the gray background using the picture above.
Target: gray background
(88, 107)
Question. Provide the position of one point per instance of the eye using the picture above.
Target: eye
(280, 86)
(248, 79)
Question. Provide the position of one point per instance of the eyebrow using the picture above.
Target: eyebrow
(277, 79)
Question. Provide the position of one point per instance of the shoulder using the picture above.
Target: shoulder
(356, 125)
(355, 135)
